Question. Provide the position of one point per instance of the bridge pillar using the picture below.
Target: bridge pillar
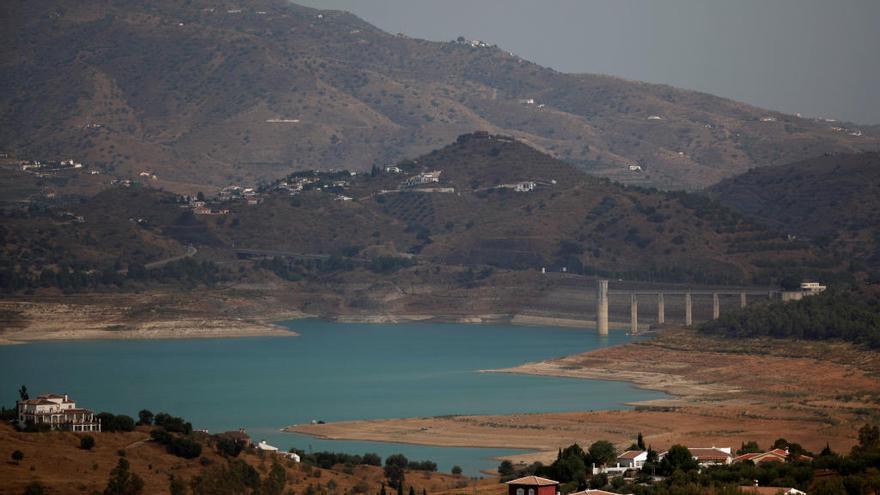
(688, 309)
(716, 306)
(602, 307)
(634, 313)
(661, 309)
(742, 300)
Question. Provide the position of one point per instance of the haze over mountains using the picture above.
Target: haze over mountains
(208, 93)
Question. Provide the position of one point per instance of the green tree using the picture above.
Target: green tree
(828, 486)
(87, 442)
(123, 482)
(749, 447)
(603, 452)
(17, 456)
(456, 470)
(678, 458)
(505, 468)
(640, 441)
(145, 417)
(23, 393)
(395, 466)
(598, 481)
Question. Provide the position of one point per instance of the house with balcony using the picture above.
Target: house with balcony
(59, 412)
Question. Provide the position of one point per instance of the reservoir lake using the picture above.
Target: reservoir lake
(331, 372)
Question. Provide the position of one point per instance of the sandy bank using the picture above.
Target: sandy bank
(725, 392)
(45, 321)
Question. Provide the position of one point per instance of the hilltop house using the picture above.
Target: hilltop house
(423, 178)
(532, 485)
(59, 412)
(265, 447)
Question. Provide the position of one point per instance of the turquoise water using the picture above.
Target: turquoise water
(332, 372)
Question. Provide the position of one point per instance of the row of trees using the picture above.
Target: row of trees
(77, 278)
(852, 316)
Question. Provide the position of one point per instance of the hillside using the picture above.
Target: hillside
(209, 93)
(833, 200)
(487, 202)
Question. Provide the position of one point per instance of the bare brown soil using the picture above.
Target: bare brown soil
(725, 392)
(55, 460)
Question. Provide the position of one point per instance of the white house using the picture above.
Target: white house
(524, 186)
(57, 411)
(293, 456)
(265, 447)
(633, 459)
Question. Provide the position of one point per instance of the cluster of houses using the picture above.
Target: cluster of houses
(57, 412)
(705, 457)
(38, 166)
(636, 459)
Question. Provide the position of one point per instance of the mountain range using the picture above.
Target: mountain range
(207, 93)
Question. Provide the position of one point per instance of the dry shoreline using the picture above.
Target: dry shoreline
(61, 321)
(722, 393)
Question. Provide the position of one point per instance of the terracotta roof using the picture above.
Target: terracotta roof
(532, 481)
(631, 454)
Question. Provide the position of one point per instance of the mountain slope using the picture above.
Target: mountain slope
(833, 199)
(496, 202)
(210, 93)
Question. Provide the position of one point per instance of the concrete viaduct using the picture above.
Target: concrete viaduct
(603, 293)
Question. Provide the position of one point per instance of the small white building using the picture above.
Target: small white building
(813, 287)
(633, 459)
(524, 186)
(265, 447)
(57, 411)
(635, 168)
(293, 456)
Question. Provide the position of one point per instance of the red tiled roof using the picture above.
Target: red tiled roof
(533, 481)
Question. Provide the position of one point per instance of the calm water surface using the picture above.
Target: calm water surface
(332, 372)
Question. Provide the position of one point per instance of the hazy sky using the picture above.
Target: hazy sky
(815, 57)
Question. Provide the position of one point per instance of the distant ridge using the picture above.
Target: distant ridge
(196, 91)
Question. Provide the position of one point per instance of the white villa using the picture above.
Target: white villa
(631, 459)
(266, 447)
(57, 411)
